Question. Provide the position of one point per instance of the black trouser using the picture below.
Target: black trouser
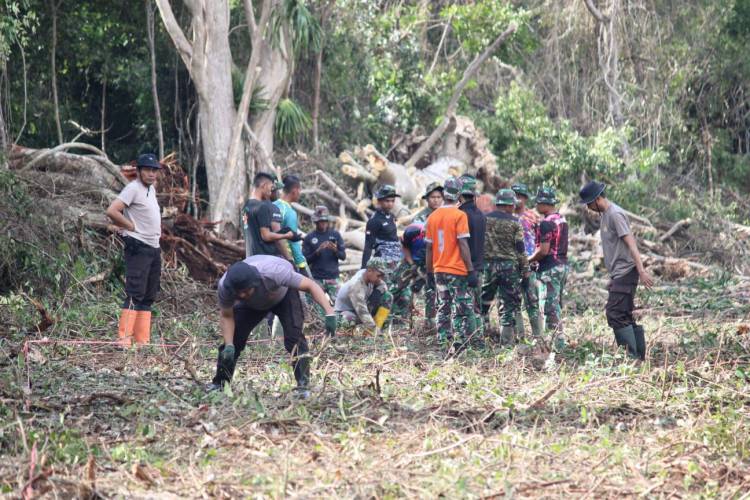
(142, 274)
(620, 302)
(292, 318)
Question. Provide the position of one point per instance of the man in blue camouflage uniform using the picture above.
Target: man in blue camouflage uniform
(506, 265)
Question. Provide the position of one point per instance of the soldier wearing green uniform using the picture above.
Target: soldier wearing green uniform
(477, 228)
(433, 195)
(552, 255)
(529, 220)
(506, 265)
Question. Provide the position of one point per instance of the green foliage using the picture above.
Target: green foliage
(17, 24)
(291, 121)
(532, 147)
(302, 25)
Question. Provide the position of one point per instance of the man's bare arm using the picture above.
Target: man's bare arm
(226, 325)
(114, 212)
(269, 236)
(645, 278)
(428, 256)
(317, 293)
(540, 252)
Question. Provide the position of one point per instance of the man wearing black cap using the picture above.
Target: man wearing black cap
(137, 217)
(381, 237)
(623, 261)
(248, 291)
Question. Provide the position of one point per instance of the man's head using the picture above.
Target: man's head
(546, 199)
(375, 270)
(321, 218)
(148, 167)
(263, 185)
(451, 190)
(434, 195)
(468, 187)
(292, 188)
(242, 279)
(386, 197)
(505, 200)
(592, 195)
(276, 189)
(522, 194)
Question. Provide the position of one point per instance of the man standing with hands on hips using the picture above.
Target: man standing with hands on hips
(623, 261)
(137, 217)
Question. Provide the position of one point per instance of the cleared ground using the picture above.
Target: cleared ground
(389, 416)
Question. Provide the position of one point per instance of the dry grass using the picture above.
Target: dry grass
(388, 418)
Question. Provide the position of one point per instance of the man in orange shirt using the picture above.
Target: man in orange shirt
(449, 266)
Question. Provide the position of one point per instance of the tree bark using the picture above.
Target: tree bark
(154, 91)
(457, 91)
(103, 116)
(53, 70)
(209, 61)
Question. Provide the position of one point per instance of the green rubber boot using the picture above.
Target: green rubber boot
(536, 327)
(519, 327)
(625, 336)
(507, 334)
(640, 341)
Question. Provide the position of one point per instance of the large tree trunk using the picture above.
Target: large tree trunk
(275, 72)
(209, 61)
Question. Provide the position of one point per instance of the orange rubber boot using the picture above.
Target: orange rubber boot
(126, 327)
(142, 329)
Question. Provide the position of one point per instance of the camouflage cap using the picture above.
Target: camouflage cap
(321, 214)
(521, 189)
(505, 197)
(378, 264)
(547, 196)
(451, 188)
(468, 184)
(432, 186)
(386, 191)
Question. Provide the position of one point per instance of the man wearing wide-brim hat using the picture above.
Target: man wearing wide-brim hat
(623, 262)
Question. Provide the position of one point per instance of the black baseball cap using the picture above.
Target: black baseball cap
(241, 276)
(148, 160)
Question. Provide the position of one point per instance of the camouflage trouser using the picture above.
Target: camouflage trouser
(553, 281)
(454, 306)
(531, 295)
(399, 286)
(502, 278)
(476, 324)
(418, 283)
(329, 286)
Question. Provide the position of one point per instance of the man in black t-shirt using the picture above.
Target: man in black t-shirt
(477, 228)
(323, 248)
(262, 219)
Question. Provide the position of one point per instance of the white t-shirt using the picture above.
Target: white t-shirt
(142, 209)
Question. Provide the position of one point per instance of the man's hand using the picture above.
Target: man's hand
(473, 279)
(331, 323)
(646, 279)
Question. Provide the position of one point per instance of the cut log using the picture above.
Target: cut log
(676, 227)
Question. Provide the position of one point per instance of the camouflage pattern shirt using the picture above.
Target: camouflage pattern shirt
(504, 239)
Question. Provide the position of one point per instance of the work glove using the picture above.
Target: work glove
(331, 322)
(431, 280)
(534, 266)
(473, 279)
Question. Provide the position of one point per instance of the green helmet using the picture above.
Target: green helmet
(521, 189)
(506, 197)
(386, 191)
(432, 186)
(547, 196)
(468, 184)
(451, 188)
(378, 264)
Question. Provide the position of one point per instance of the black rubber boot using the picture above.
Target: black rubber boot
(626, 336)
(640, 341)
(302, 375)
(224, 370)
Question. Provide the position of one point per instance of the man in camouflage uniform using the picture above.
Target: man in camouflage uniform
(506, 265)
(477, 228)
(360, 298)
(433, 195)
(449, 265)
(529, 220)
(552, 255)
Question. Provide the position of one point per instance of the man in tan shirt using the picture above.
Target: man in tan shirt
(137, 217)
